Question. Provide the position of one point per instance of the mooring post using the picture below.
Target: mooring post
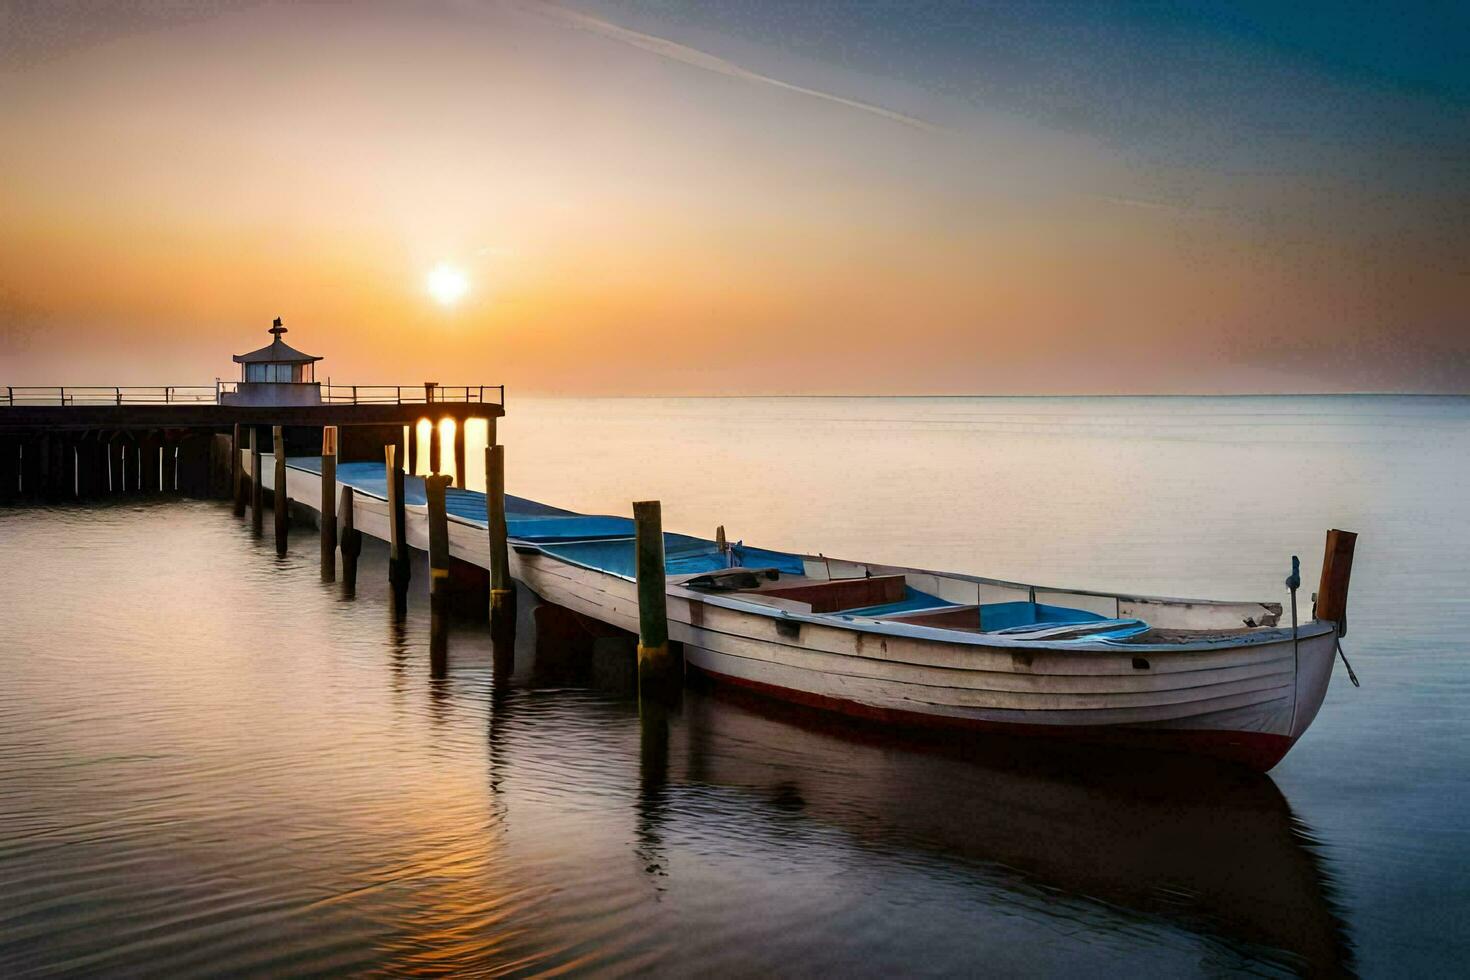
(1337, 570)
(411, 461)
(257, 488)
(398, 567)
(657, 670)
(329, 503)
(278, 443)
(434, 487)
(351, 542)
(502, 590)
(460, 479)
(237, 472)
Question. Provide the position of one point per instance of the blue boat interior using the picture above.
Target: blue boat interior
(605, 543)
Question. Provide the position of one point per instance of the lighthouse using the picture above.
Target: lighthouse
(276, 374)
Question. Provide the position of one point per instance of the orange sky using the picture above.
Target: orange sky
(662, 209)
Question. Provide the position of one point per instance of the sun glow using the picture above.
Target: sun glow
(447, 285)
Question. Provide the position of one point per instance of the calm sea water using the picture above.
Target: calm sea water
(214, 763)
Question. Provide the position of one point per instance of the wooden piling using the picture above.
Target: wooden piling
(351, 545)
(257, 488)
(278, 492)
(657, 672)
(150, 461)
(1337, 569)
(329, 503)
(115, 463)
(101, 451)
(502, 590)
(70, 477)
(436, 449)
(171, 482)
(46, 462)
(460, 479)
(398, 567)
(411, 461)
(237, 472)
(86, 459)
(434, 487)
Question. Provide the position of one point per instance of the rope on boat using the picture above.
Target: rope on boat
(1294, 582)
(1351, 676)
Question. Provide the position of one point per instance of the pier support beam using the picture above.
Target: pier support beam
(69, 478)
(658, 669)
(86, 449)
(237, 472)
(102, 461)
(329, 503)
(351, 543)
(171, 454)
(278, 443)
(150, 455)
(434, 487)
(436, 448)
(257, 487)
(398, 566)
(46, 463)
(461, 479)
(9, 468)
(115, 463)
(411, 461)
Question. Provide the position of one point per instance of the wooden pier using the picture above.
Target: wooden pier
(66, 443)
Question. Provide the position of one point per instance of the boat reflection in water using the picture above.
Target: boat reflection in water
(1214, 850)
(766, 833)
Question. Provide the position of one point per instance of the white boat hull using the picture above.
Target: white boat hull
(1245, 699)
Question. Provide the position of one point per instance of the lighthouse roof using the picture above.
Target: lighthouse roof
(276, 352)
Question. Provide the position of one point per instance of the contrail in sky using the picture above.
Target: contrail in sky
(696, 58)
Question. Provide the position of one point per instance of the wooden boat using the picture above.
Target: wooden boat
(917, 647)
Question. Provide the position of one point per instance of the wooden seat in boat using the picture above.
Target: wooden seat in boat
(836, 595)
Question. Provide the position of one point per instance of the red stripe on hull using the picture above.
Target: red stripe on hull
(1258, 750)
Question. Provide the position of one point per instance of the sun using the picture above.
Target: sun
(446, 284)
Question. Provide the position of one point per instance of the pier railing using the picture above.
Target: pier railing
(17, 395)
(100, 395)
(411, 394)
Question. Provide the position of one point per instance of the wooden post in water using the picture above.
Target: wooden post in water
(329, 503)
(434, 487)
(398, 567)
(436, 448)
(459, 453)
(1337, 569)
(351, 542)
(237, 472)
(278, 443)
(412, 459)
(502, 590)
(257, 488)
(657, 671)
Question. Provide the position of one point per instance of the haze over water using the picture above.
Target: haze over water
(213, 763)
